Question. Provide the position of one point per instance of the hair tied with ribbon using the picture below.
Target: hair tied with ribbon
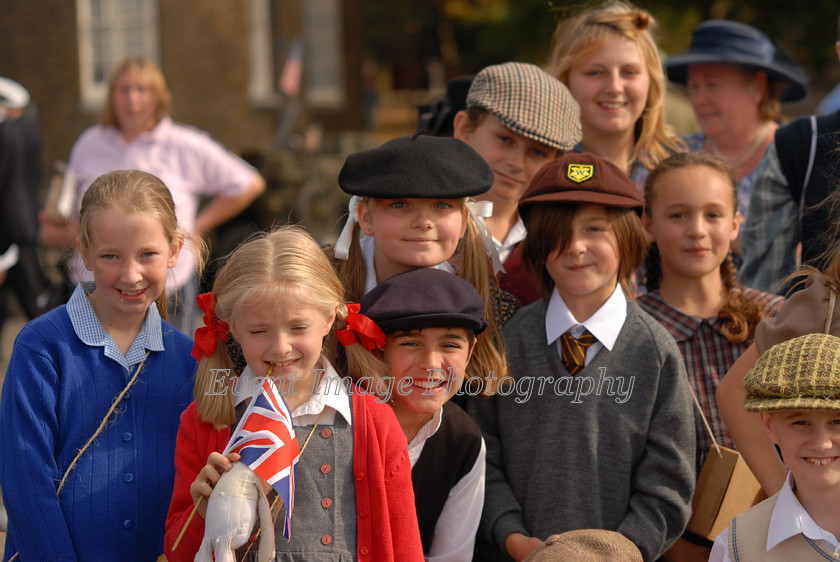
(213, 331)
(360, 329)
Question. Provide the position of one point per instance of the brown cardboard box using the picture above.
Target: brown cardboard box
(726, 488)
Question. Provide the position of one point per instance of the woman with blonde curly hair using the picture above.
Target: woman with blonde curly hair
(609, 60)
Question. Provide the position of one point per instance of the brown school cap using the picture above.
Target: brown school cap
(584, 179)
(798, 374)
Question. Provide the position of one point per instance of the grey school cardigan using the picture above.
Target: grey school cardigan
(620, 457)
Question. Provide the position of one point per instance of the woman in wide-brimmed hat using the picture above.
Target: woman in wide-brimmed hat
(736, 79)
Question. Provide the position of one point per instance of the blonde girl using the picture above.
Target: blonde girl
(410, 200)
(691, 218)
(94, 389)
(279, 297)
(609, 60)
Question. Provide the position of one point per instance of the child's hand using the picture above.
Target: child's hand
(519, 546)
(206, 480)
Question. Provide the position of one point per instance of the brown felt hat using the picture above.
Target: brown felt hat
(584, 179)
(587, 545)
(798, 374)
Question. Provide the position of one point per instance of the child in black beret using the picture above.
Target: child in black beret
(431, 320)
(410, 202)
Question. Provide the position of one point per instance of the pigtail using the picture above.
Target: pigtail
(212, 391)
(739, 313)
(352, 272)
(488, 362)
(653, 268)
(365, 368)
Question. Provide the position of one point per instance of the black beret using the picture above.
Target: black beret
(420, 167)
(424, 298)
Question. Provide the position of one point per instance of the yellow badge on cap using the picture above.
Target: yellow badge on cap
(579, 173)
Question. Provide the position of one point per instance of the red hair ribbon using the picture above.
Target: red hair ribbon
(213, 330)
(360, 329)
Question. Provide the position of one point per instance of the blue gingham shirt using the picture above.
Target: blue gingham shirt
(769, 235)
(87, 326)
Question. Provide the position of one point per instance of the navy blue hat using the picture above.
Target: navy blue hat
(420, 167)
(724, 41)
(424, 298)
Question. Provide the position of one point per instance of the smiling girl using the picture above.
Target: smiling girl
(410, 210)
(609, 60)
(279, 297)
(431, 320)
(690, 219)
(80, 481)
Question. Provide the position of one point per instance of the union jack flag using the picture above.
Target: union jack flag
(265, 439)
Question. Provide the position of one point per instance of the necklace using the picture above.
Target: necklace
(746, 154)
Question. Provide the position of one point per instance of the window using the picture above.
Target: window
(324, 53)
(110, 30)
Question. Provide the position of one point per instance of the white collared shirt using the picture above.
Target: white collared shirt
(788, 519)
(514, 236)
(605, 324)
(366, 245)
(454, 537)
(331, 395)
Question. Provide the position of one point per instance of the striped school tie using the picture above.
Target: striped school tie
(574, 350)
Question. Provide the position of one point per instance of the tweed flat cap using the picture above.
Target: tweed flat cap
(530, 102)
(798, 374)
(587, 545)
(424, 298)
(420, 167)
(582, 178)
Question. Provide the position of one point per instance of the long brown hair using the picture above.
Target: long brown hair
(549, 227)
(740, 314)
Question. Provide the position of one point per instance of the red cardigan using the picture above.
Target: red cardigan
(385, 514)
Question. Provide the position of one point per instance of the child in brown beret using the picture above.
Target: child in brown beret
(606, 438)
(795, 385)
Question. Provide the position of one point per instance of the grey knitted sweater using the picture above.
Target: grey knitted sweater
(611, 448)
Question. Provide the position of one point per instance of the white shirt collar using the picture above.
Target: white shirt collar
(605, 324)
(789, 518)
(331, 394)
(427, 431)
(366, 245)
(516, 235)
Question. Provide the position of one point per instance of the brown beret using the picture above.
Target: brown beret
(582, 178)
